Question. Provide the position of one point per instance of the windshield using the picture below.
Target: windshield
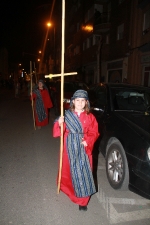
(131, 99)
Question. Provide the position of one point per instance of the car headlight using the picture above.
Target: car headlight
(66, 100)
(98, 109)
(148, 153)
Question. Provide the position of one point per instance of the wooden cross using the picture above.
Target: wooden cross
(62, 88)
(58, 75)
(31, 92)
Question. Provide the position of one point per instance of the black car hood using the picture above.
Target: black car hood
(136, 119)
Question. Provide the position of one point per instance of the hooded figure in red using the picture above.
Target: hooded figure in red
(80, 134)
(42, 102)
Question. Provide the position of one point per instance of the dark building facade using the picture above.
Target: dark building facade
(3, 64)
(109, 40)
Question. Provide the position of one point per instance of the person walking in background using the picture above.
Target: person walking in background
(17, 88)
(80, 134)
(42, 102)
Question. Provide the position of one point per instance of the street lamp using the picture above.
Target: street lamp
(49, 25)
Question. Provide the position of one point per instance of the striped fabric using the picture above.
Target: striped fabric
(81, 173)
(39, 106)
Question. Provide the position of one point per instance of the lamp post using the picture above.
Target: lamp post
(54, 56)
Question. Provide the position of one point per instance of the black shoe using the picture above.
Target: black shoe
(83, 208)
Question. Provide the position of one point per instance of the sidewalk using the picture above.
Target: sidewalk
(6, 93)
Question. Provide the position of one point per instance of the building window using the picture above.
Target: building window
(109, 6)
(84, 46)
(120, 1)
(96, 39)
(91, 12)
(78, 26)
(87, 16)
(120, 32)
(91, 41)
(79, 3)
(98, 7)
(107, 39)
(146, 25)
(87, 43)
(77, 50)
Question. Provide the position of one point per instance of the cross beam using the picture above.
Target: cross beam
(61, 137)
(62, 88)
(59, 75)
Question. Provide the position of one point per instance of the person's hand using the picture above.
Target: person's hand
(84, 143)
(61, 120)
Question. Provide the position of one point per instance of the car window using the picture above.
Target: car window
(130, 99)
(100, 96)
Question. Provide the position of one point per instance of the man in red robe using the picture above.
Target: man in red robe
(42, 102)
(80, 127)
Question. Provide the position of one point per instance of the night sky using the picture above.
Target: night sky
(23, 25)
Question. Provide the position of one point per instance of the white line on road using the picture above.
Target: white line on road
(115, 217)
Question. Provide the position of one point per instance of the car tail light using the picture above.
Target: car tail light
(148, 152)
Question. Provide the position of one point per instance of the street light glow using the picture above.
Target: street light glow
(49, 24)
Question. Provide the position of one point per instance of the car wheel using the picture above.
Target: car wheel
(117, 167)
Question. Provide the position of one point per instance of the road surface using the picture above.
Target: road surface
(28, 171)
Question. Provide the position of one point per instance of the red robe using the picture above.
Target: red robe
(47, 104)
(90, 130)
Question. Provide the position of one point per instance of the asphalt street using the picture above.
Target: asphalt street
(28, 171)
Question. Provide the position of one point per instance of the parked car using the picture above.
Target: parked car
(69, 88)
(123, 115)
